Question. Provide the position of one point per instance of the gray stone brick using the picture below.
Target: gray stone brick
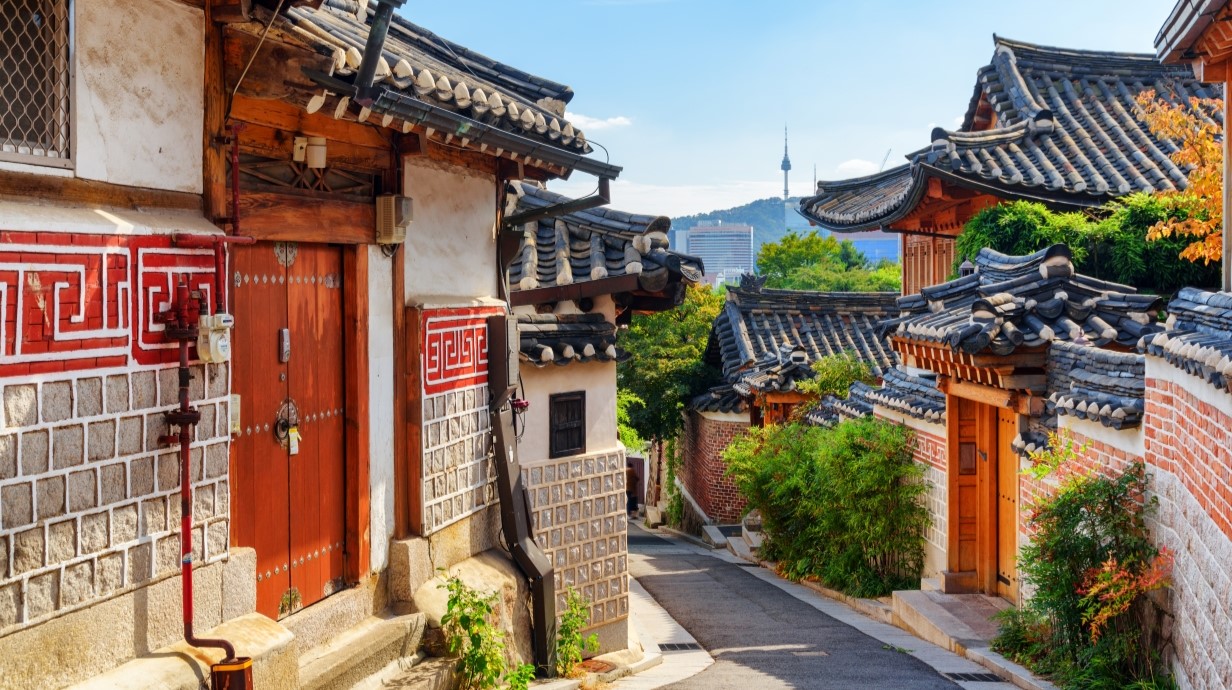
(218, 539)
(117, 393)
(57, 401)
(217, 462)
(8, 456)
(89, 397)
(205, 428)
(153, 516)
(49, 497)
(131, 435)
(82, 490)
(203, 503)
(68, 446)
(17, 504)
(222, 499)
(140, 562)
(145, 390)
(102, 440)
(219, 380)
(27, 551)
(110, 573)
(168, 554)
(195, 469)
(198, 543)
(61, 542)
(21, 405)
(198, 385)
(78, 584)
(123, 524)
(93, 533)
(113, 480)
(168, 472)
(142, 471)
(10, 604)
(168, 387)
(42, 595)
(35, 452)
(155, 426)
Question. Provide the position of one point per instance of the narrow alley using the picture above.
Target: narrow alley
(765, 632)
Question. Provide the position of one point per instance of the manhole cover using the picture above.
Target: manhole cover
(595, 666)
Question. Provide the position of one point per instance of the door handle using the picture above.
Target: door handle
(284, 345)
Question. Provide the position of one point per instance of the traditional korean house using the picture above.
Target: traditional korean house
(1054, 125)
(331, 176)
(577, 276)
(764, 343)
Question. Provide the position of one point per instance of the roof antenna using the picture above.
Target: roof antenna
(883, 160)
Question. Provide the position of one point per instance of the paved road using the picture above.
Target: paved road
(762, 637)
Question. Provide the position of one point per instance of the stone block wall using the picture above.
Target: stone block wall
(458, 478)
(703, 466)
(89, 497)
(579, 522)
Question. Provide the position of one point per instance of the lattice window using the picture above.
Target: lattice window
(290, 177)
(567, 424)
(35, 81)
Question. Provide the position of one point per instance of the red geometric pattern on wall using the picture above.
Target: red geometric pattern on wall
(77, 301)
(455, 348)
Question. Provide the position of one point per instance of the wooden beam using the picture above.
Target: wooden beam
(292, 118)
(15, 186)
(278, 70)
(574, 291)
(214, 152)
(272, 142)
(270, 216)
(987, 395)
(231, 11)
(355, 344)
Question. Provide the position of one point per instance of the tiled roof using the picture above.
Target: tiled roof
(1099, 385)
(1013, 301)
(831, 409)
(567, 338)
(1065, 130)
(594, 244)
(756, 321)
(720, 399)
(421, 66)
(912, 392)
(776, 372)
(1199, 336)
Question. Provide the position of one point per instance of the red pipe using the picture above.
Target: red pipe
(218, 243)
(181, 325)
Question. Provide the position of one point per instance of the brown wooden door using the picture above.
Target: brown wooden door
(966, 484)
(288, 364)
(1007, 505)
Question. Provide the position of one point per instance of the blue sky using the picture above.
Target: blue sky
(691, 96)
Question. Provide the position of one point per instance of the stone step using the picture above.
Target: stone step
(314, 626)
(364, 650)
(425, 673)
(181, 667)
(740, 547)
(751, 537)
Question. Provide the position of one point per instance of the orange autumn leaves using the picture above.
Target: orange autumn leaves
(1199, 140)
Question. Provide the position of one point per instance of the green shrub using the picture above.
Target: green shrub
(479, 645)
(842, 505)
(675, 501)
(1090, 563)
(836, 373)
(570, 645)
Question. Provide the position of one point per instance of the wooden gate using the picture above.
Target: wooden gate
(288, 458)
(1007, 505)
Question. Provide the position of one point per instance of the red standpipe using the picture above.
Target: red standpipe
(181, 326)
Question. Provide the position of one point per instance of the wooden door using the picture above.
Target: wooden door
(966, 486)
(1007, 505)
(288, 364)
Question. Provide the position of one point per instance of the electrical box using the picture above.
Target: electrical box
(393, 217)
(234, 409)
(214, 337)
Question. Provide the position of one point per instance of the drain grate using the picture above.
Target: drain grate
(679, 646)
(975, 677)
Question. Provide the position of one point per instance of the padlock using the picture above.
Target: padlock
(293, 440)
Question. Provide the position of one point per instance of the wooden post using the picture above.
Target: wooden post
(213, 157)
(358, 496)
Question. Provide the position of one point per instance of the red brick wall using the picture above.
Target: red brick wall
(703, 466)
(930, 450)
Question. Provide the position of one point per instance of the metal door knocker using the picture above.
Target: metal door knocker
(286, 426)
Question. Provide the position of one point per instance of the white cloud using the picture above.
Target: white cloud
(857, 167)
(591, 124)
(958, 121)
(673, 200)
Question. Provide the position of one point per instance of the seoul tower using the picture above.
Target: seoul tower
(786, 166)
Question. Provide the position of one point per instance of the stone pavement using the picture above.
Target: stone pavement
(764, 632)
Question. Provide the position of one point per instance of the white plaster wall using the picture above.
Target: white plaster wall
(381, 404)
(138, 98)
(1131, 441)
(598, 379)
(451, 245)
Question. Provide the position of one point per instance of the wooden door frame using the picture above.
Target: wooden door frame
(357, 495)
(985, 576)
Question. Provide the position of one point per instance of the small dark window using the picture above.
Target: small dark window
(567, 424)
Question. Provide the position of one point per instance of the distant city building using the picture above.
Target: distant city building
(726, 250)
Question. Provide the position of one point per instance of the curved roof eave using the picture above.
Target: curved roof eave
(880, 222)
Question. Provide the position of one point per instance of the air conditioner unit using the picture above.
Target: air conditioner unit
(393, 217)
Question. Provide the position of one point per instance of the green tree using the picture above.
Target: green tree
(778, 260)
(665, 368)
(813, 262)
